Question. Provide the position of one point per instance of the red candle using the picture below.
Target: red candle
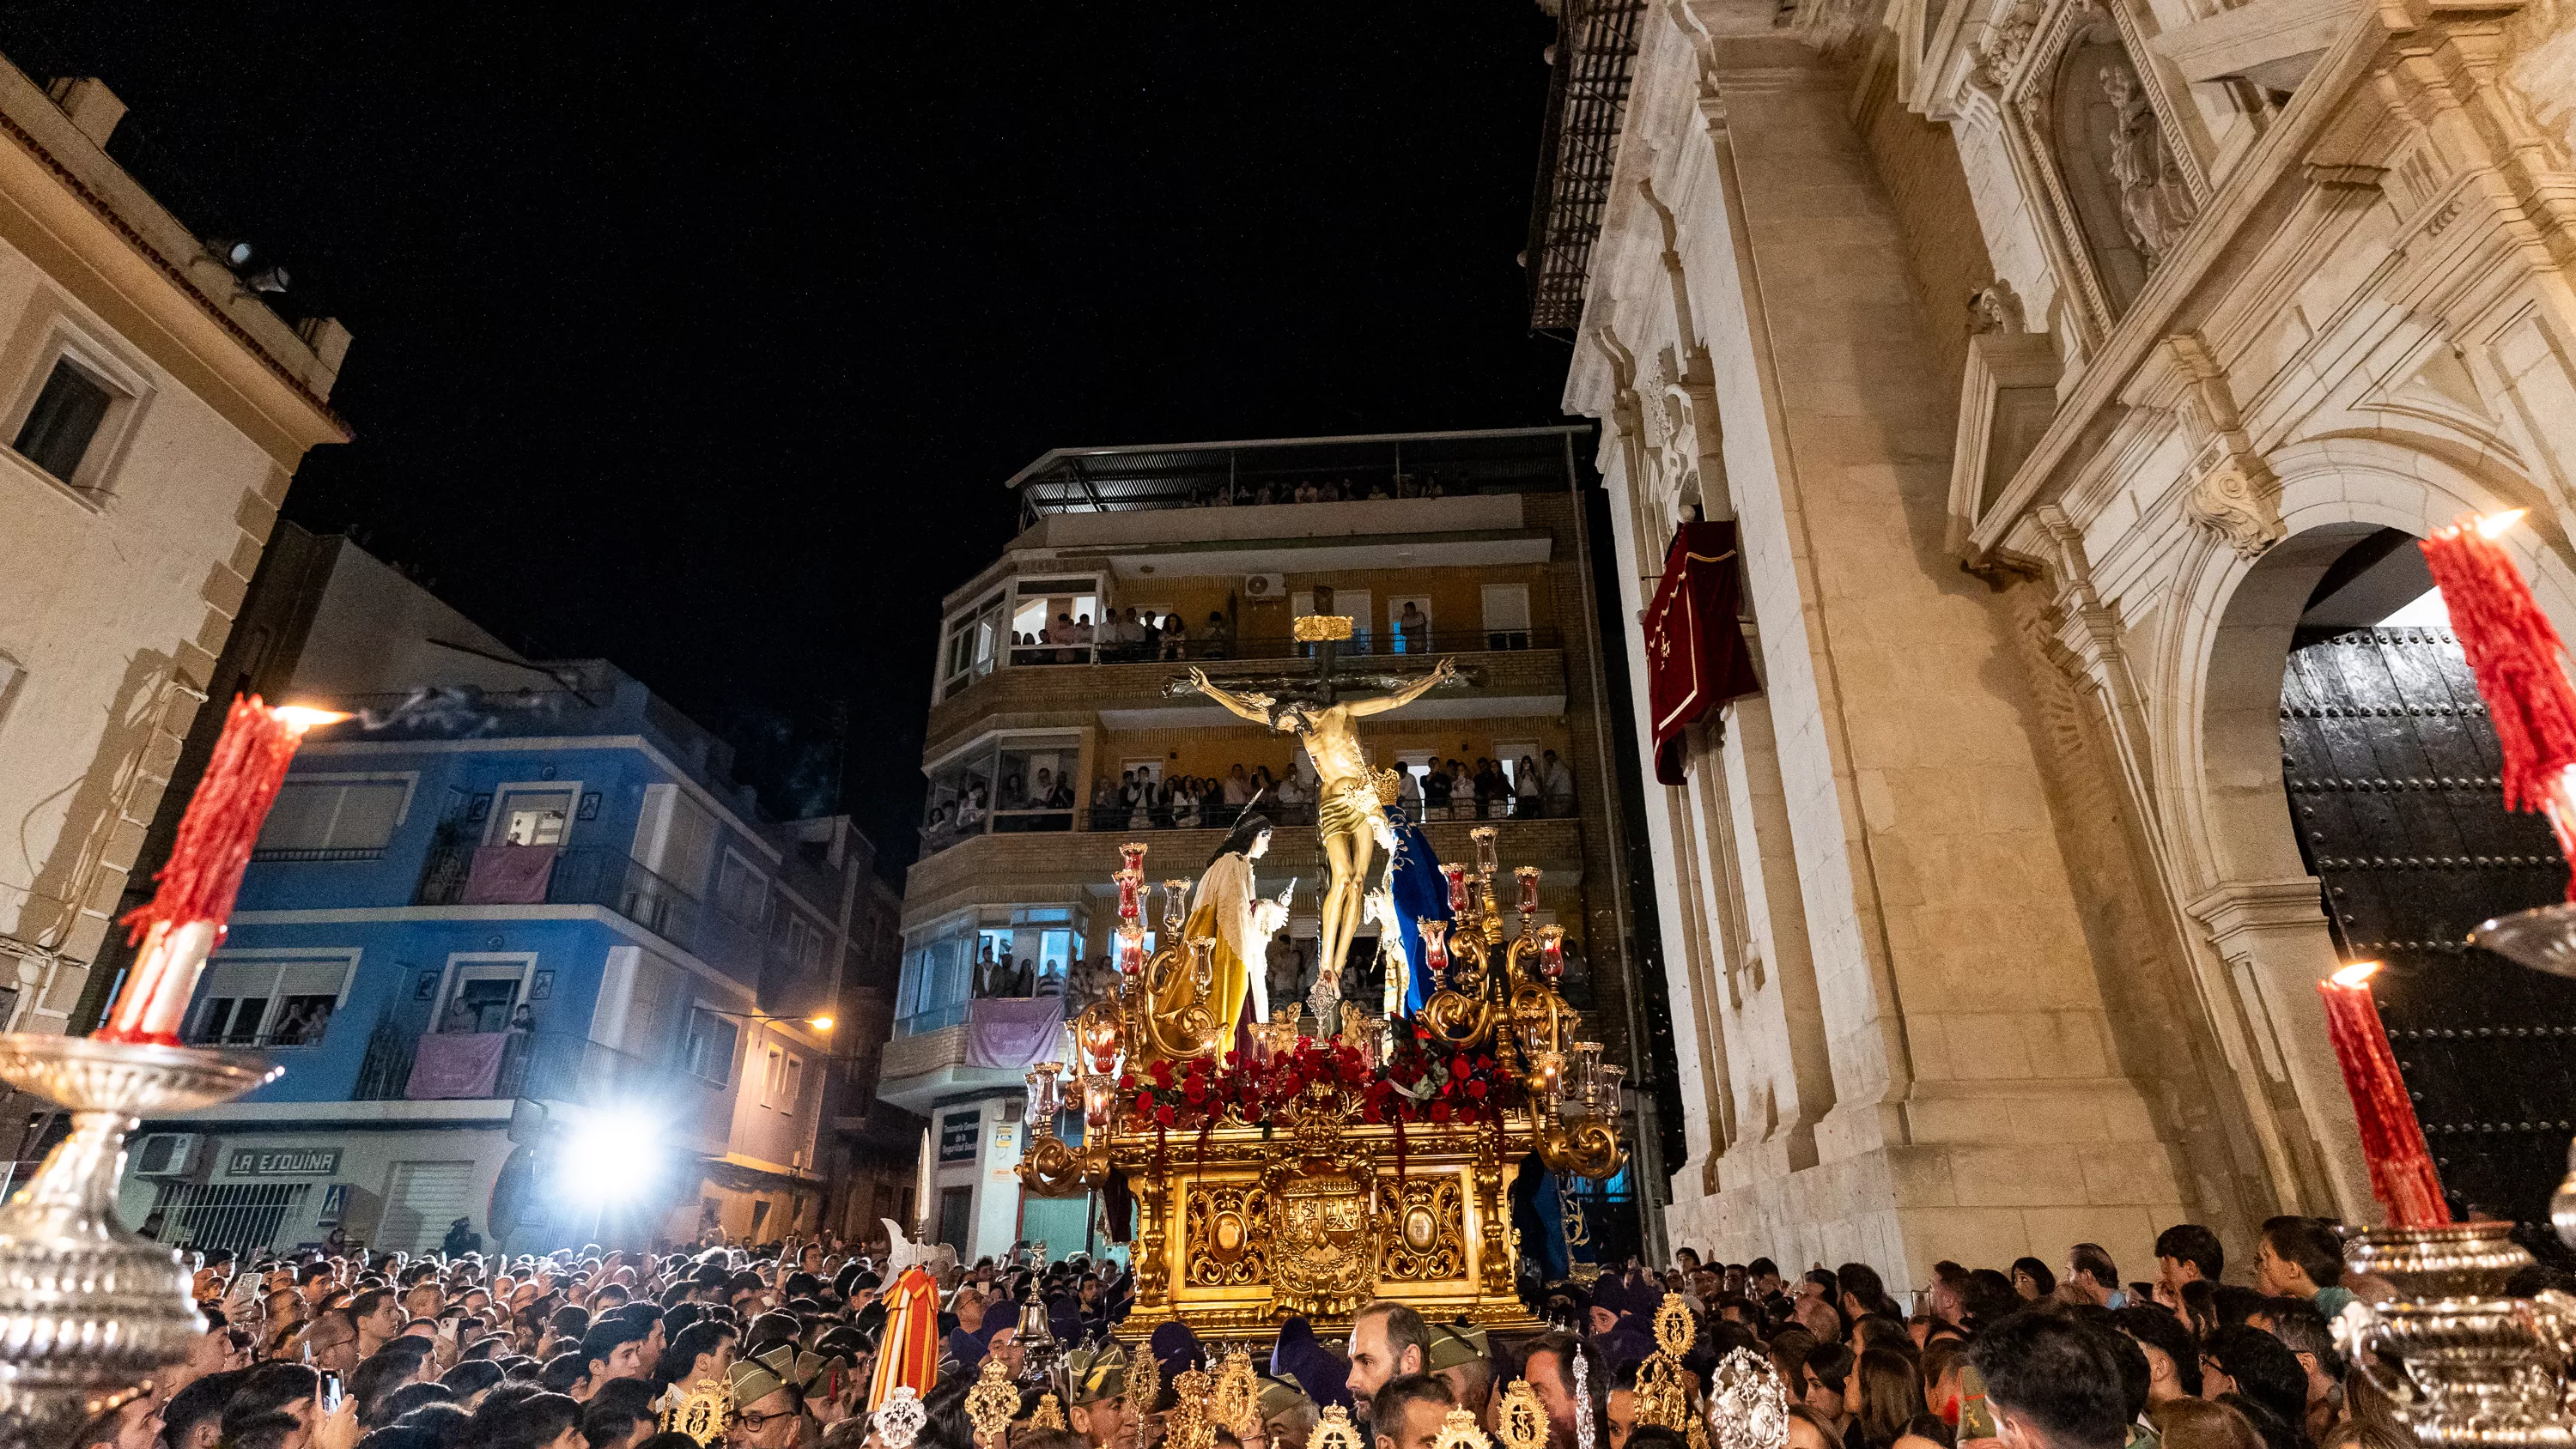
(1528, 876)
(1435, 946)
(2401, 1166)
(2515, 653)
(1457, 886)
(184, 921)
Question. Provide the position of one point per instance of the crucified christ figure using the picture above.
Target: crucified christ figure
(1349, 816)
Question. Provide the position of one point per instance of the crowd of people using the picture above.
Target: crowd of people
(593, 1350)
(1533, 787)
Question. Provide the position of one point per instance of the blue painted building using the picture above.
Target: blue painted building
(475, 906)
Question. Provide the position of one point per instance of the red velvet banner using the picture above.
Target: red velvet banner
(1696, 657)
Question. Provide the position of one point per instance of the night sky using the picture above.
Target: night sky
(703, 339)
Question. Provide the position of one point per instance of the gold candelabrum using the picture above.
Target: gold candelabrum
(1502, 997)
(1246, 1215)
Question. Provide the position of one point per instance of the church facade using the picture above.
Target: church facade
(2074, 373)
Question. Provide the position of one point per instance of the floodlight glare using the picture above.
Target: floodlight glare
(611, 1155)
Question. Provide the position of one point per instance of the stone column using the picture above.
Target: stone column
(1979, 1113)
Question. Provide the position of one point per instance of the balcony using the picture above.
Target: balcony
(1022, 869)
(593, 877)
(540, 1066)
(1378, 650)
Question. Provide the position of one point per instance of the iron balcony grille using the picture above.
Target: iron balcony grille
(1578, 146)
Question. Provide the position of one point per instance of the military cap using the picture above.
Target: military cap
(1096, 1375)
(1453, 1344)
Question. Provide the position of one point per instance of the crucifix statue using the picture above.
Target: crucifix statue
(1350, 814)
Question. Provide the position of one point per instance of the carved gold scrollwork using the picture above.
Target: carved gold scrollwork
(1224, 1230)
(1426, 1237)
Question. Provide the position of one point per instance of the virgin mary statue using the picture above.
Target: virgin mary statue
(1224, 908)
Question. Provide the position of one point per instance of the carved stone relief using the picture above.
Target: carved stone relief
(2235, 499)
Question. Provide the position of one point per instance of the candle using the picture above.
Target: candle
(1528, 876)
(2401, 1167)
(1131, 885)
(1483, 835)
(1435, 946)
(1551, 950)
(2514, 651)
(1457, 886)
(184, 921)
(1131, 949)
(1176, 896)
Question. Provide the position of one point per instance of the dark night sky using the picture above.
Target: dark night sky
(702, 339)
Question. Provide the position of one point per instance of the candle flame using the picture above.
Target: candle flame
(2493, 525)
(300, 718)
(2356, 974)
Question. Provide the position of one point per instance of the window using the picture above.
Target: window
(278, 1001)
(675, 838)
(786, 1081)
(333, 819)
(743, 892)
(534, 815)
(710, 1048)
(801, 944)
(1507, 616)
(973, 645)
(59, 428)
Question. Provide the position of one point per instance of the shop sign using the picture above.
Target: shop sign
(282, 1162)
(957, 1134)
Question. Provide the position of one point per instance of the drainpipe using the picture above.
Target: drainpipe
(1646, 1160)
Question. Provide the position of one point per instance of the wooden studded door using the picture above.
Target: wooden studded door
(2392, 772)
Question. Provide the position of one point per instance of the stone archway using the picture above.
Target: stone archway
(2219, 757)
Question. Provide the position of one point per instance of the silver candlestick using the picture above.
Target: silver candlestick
(88, 1309)
(2462, 1363)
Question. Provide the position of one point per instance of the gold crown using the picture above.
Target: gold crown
(1316, 628)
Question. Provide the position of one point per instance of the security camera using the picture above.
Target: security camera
(230, 252)
(272, 280)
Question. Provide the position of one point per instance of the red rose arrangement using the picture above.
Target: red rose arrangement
(1424, 1080)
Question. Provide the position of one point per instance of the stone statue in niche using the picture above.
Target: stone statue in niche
(1995, 308)
(2155, 201)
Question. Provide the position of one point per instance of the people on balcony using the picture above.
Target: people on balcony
(1413, 628)
(1556, 785)
(1176, 637)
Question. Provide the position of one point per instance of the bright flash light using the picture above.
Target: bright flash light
(2494, 525)
(820, 1023)
(300, 718)
(2356, 973)
(610, 1156)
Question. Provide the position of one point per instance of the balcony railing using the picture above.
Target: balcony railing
(1107, 819)
(1376, 645)
(541, 1065)
(596, 877)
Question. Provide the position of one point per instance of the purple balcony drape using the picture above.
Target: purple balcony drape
(1012, 1033)
(458, 1064)
(510, 875)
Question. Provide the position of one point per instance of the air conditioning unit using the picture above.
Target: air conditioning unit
(166, 1154)
(1265, 586)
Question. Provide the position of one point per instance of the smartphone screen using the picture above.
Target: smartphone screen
(330, 1393)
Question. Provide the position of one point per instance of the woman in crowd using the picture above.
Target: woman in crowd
(2032, 1279)
(1525, 804)
(1883, 1395)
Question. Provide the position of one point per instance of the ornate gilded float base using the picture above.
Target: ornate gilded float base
(88, 1309)
(1262, 1229)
